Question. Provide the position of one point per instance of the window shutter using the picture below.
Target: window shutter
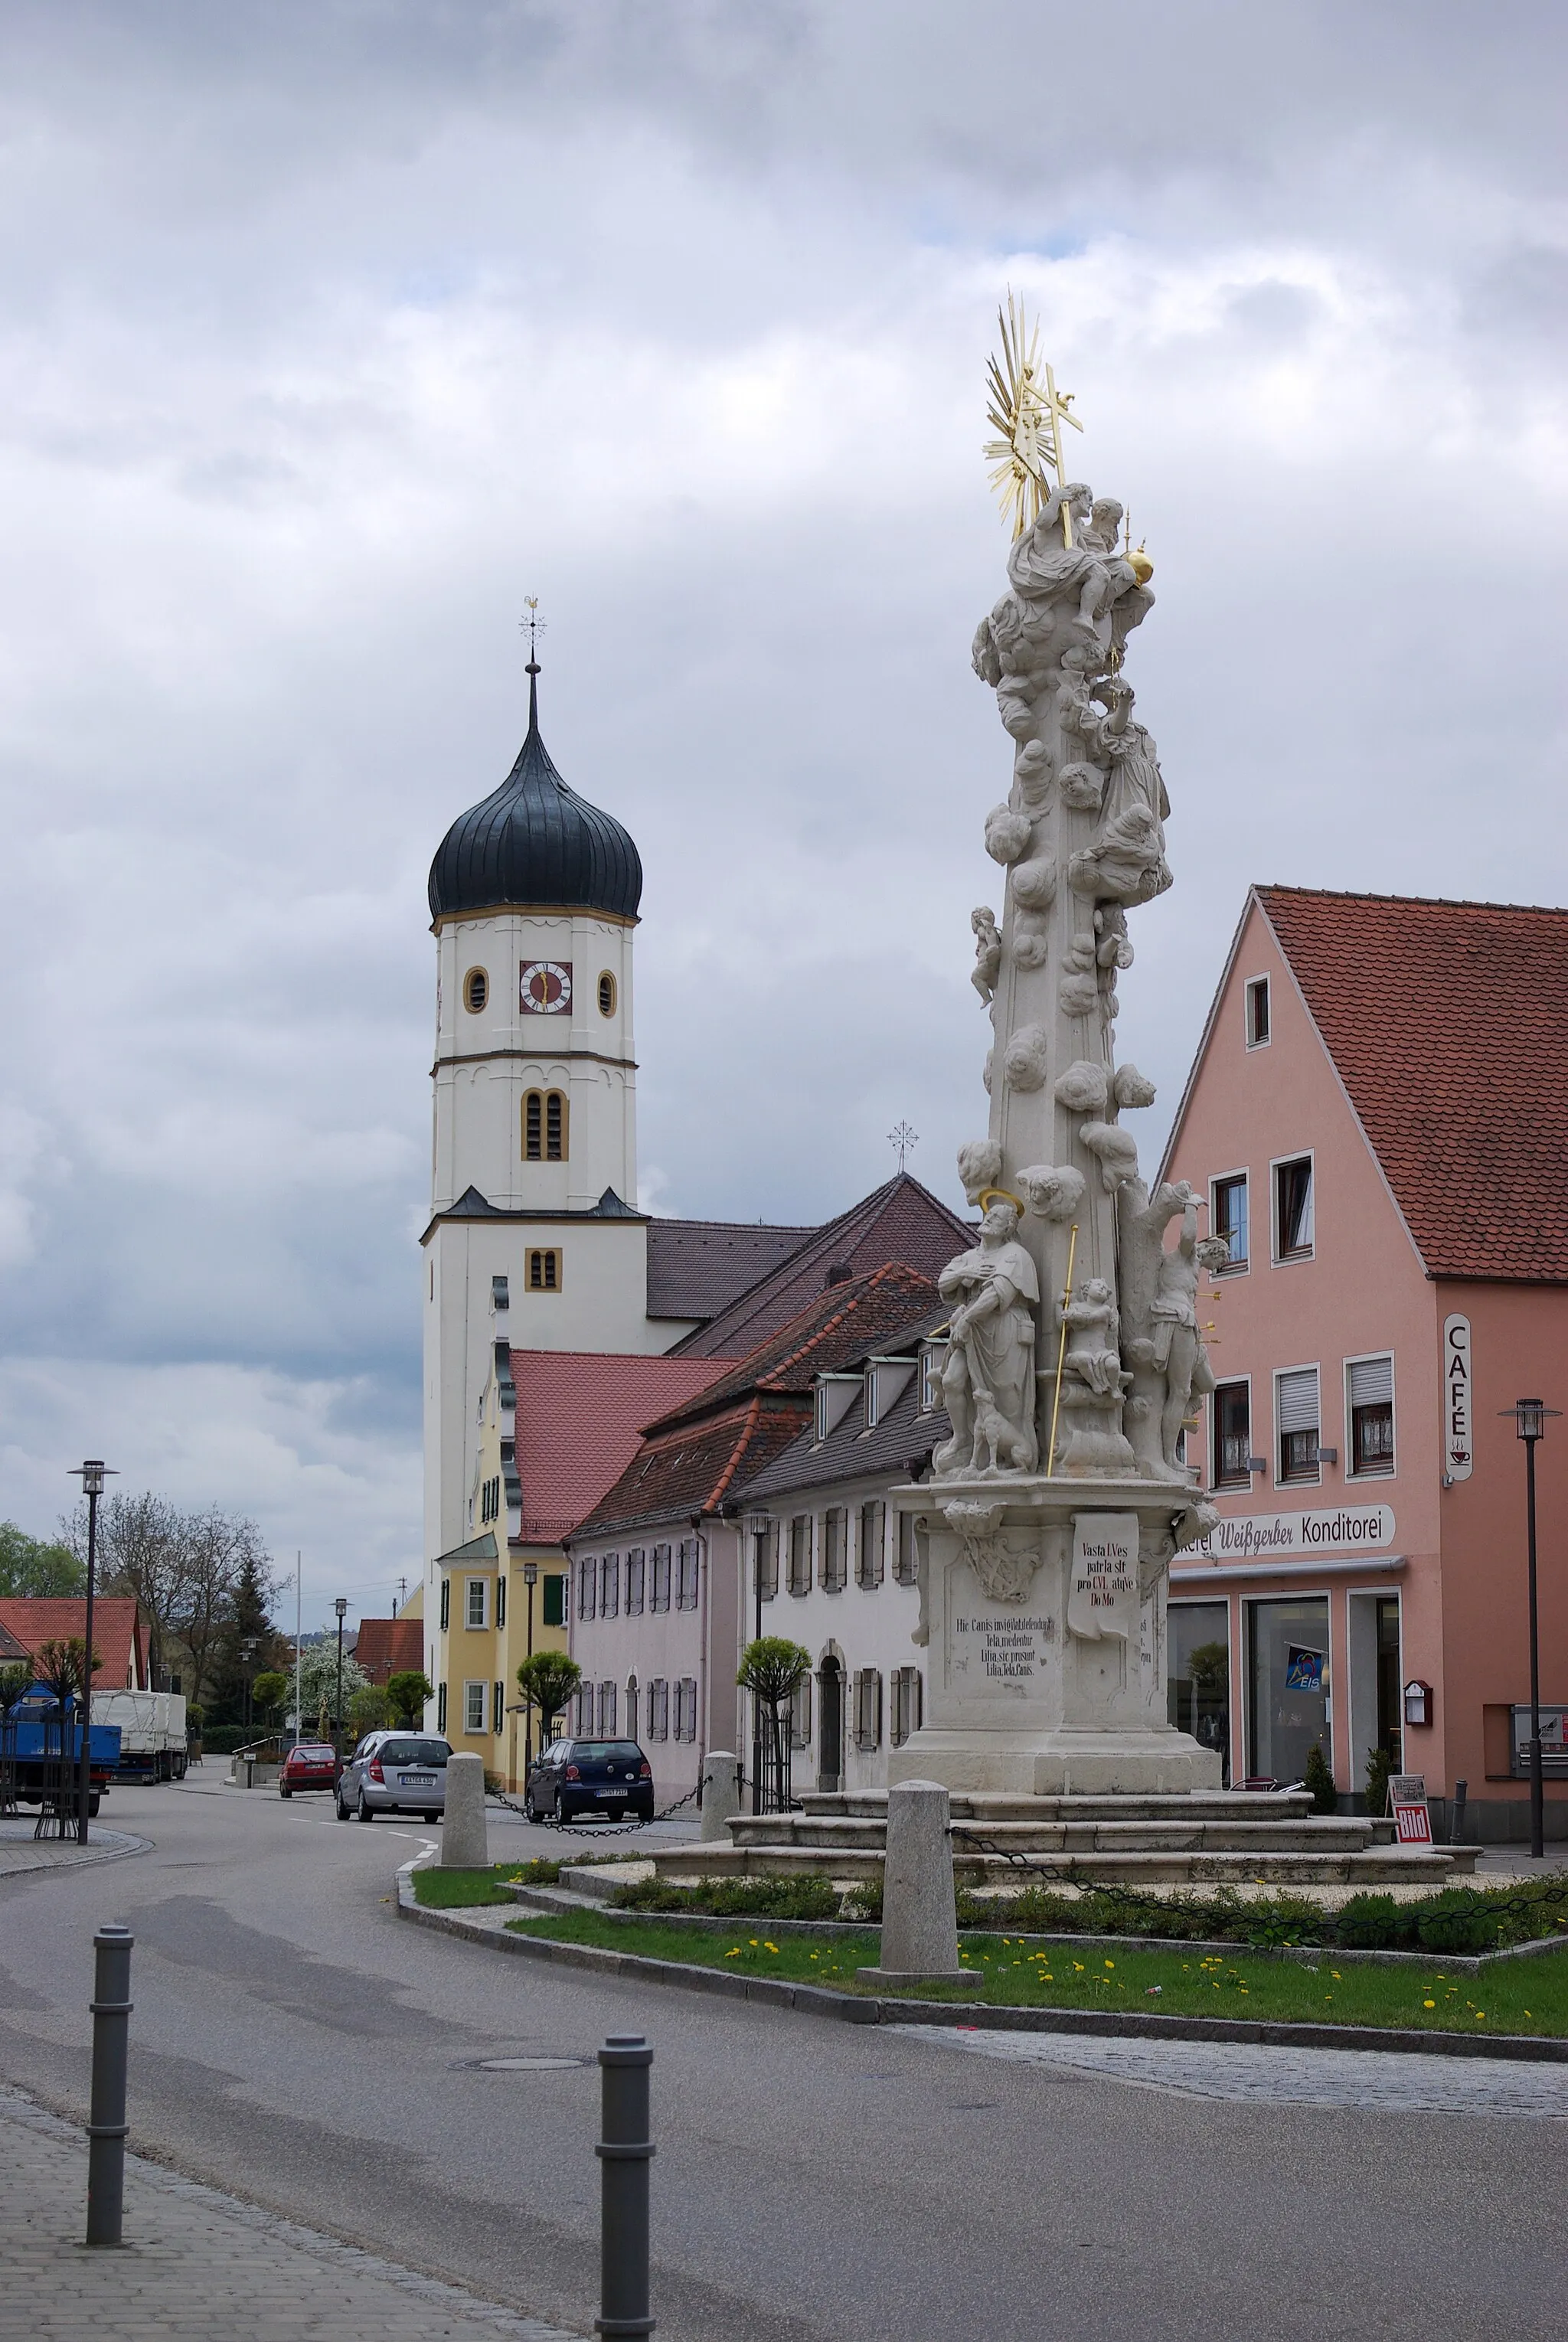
(1372, 1382)
(1297, 1397)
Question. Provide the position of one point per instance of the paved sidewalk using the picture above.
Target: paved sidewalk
(197, 2264)
(20, 1850)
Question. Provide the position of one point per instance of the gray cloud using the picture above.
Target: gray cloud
(330, 331)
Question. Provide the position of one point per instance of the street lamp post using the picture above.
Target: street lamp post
(1530, 1423)
(341, 1607)
(247, 1675)
(759, 1524)
(530, 1579)
(92, 1475)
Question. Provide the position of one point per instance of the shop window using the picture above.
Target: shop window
(1371, 1396)
(658, 1709)
(1228, 1217)
(906, 1559)
(868, 1709)
(1233, 1435)
(587, 1584)
(1294, 1210)
(1258, 1012)
(661, 1599)
(1297, 1412)
(834, 1530)
(765, 1560)
(688, 1562)
(475, 990)
(610, 1586)
(543, 1271)
(477, 1612)
(906, 1705)
(637, 1580)
(556, 1599)
(868, 1561)
(1289, 1663)
(546, 1114)
(1198, 1674)
(473, 1708)
(800, 1554)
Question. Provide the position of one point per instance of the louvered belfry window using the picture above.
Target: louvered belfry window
(1297, 1403)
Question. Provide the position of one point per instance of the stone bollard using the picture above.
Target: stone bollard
(111, 2007)
(464, 1842)
(919, 1908)
(721, 1792)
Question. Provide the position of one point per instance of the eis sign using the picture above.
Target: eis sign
(1458, 1450)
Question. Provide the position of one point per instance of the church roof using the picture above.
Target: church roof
(535, 843)
(580, 1417)
(697, 1268)
(901, 1221)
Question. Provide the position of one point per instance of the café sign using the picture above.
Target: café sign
(1266, 1537)
(1457, 1452)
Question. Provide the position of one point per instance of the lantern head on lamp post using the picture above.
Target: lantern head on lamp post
(1530, 1422)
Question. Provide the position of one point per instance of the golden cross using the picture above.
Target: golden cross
(1056, 404)
(1029, 420)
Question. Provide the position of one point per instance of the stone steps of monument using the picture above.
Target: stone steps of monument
(985, 1806)
(1374, 1867)
(1292, 1834)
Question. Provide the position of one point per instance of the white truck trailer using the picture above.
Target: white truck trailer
(151, 1732)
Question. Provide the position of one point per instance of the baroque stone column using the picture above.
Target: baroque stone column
(1074, 1353)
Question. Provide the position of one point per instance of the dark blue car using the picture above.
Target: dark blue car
(571, 1778)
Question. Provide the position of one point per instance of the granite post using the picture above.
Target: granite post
(721, 1793)
(919, 1906)
(464, 1842)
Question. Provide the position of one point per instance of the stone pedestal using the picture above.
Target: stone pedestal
(919, 1908)
(721, 1794)
(1043, 1609)
(465, 1845)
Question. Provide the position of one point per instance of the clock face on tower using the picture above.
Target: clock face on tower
(544, 986)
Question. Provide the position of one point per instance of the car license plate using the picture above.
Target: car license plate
(417, 1780)
(612, 1793)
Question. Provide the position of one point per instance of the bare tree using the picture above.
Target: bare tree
(218, 1547)
(143, 1552)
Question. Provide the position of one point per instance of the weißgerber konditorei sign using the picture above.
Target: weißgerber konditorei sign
(1266, 1537)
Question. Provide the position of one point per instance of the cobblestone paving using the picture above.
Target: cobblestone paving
(197, 2264)
(1242, 2070)
(20, 1850)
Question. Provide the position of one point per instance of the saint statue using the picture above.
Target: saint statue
(988, 1383)
(1179, 1353)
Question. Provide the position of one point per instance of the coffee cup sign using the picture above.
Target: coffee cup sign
(1102, 1590)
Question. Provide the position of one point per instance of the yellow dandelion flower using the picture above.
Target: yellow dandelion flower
(1429, 2004)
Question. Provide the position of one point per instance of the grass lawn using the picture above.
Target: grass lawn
(1518, 1996)
(461, 1890)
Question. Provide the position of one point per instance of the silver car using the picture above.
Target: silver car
(394, 1773)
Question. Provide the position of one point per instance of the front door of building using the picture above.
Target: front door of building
(829, 1740)
(1290, 1687)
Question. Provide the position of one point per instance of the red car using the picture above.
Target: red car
(309, 1764)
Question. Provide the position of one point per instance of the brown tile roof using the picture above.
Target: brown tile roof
(1448, 1022)
(580, 1416)
(386, 1646)
(902, 1221)
(702, 1452)
(697, 1268)
(44, 1618)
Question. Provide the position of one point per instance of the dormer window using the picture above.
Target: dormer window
(834, 1396)
(932, 1359)
(886, 1380)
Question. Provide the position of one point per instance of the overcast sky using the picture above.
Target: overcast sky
(331, 330)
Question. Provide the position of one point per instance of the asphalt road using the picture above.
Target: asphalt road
(295, 2043)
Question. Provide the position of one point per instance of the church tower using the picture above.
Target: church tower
(533, 1225)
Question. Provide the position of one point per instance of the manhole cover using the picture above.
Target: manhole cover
(521, 2065)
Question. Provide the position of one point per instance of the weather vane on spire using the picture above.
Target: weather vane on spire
(536, 627)
(1028, 410)
(902, 1140)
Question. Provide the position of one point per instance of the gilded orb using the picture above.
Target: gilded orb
(1142, 568)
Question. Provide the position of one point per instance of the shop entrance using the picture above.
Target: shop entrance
(1390, 1683)
(1198, 1675)
(1289, 1686)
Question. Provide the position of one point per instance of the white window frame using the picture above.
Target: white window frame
(480, 1585)
(1224, 1180)
(1276, 1164)
(932, 1360)
(474, 1695)
(1306, 1366)
(1234, 1487)
(1248, 989)
(1367, 1359)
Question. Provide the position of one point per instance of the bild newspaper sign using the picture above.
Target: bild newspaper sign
(1266, 1536)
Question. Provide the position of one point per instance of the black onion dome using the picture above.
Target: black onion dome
(536, 843)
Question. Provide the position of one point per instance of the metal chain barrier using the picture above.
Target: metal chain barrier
(609, 1829)
(1515, 1906)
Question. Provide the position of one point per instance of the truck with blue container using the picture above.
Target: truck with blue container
(41, 1750)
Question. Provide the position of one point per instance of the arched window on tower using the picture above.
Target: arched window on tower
(545, 1120)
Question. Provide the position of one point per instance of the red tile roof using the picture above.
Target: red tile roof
(580, 1416)
(44, 1617)
(695, 1456)
(388, 1647)
(696, 1268)
(1448, 1022)
(899, 1221)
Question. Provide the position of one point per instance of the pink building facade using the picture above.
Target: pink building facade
(1365, 1122)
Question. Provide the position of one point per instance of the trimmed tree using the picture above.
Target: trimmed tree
(409, 1690)
(548, 1680)
(369, 1709)
(269, 1691)
(773, 1670)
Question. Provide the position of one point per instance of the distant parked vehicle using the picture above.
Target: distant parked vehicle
(151, 1732)
(612, 1778)
(309, 1764)
(394, 1773)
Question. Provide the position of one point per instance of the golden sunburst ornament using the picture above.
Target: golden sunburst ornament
(1028, 411)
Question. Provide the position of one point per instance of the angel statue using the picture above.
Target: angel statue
(988, 1383)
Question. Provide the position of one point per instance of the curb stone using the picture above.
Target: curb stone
(851, 2009)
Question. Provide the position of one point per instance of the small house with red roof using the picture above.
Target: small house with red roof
(1377, 1119)
(120, 1634)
